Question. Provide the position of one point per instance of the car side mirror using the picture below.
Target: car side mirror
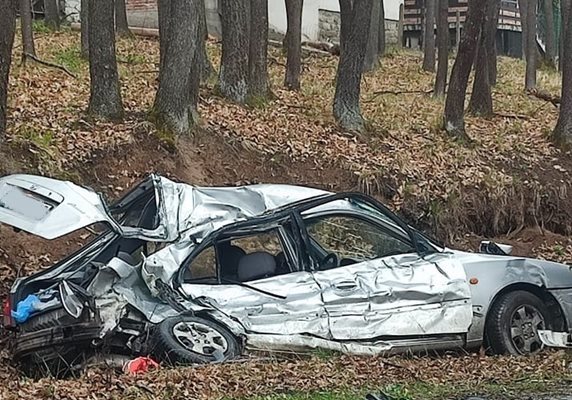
(490, 247)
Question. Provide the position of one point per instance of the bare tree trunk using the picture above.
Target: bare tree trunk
(523, 8)
(443, 48)
(84, 19)
(175, 108)
(51, 14)
(205, 65)
(164, 15)
(26, 25)
(233, 74)
(481, 102)
(371, 56)
(121, 24)
(454, 121)
(565, 10)
(354, 31)
(550, 52)
(293, 41)
(562, 133)
(381, 34)
(7, 31)
(105, 96)
(429, 42)
(530, 78)
(258, 52)
(400, 26)
(491, 28)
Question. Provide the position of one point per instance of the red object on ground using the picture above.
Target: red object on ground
(140, 365)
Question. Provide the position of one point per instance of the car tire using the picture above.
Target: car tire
(186, 339)
(513, 322)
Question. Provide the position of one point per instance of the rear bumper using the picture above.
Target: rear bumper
(53, 342)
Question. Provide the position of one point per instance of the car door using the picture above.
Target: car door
(379, 286)
(286, 301)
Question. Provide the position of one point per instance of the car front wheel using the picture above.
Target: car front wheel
(187, 339)
(514, 321)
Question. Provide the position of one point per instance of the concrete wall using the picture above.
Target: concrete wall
(329, 28)
(318, 17)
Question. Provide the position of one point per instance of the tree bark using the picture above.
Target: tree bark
(7, 31)
(454, 122)
(442, 48)
(293, 41)
(381, 30)
(51, 14)
(26, 25)
(121, 24)
(491, 27)
(523, 8)
(84, 19)
(550, 51)
(175, 108)
(164, 15)
(565, 9)
(481, 102)
(354, 31)
(429, 42)
(105, 96)
(258, 52)
(233, 74)
(371, 61)
(562, 133)
(206, 67)
(530, 78)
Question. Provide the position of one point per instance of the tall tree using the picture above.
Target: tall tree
(293, 40)
(27, 32)
(565, 22)
(530, 78)
(381, 31)
(523, 8)
(491, 27)
(52, 14)
(481, 102)
(105, 95)
(121, 24)
(562, 133)
(454, 119)
(442, 48)
(258, 51)
(354, 31)
(205, 65)
(175, 108)
(233, 74)
(429, 37)
(84, 19)
(550, 50)
(372, 50)
(7, 31)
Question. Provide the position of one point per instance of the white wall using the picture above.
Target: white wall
(310, 15)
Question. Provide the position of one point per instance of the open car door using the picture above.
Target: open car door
(51, 208)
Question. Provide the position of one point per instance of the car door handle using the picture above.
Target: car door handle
(346, 285)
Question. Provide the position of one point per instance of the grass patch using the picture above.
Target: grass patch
(40, 27)
(70, 58)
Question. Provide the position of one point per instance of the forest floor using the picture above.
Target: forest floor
(511, 183)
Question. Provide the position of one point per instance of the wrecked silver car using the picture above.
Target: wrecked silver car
(195, 274)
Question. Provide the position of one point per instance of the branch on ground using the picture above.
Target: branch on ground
(543, 95)
(49, 64)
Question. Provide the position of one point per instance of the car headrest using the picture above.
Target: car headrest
(256, 265)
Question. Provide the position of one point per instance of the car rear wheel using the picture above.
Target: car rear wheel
(187, 339)
(514, 321)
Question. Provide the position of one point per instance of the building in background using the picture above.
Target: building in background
(508, 35)
(320, 18)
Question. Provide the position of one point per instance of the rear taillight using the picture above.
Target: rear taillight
(7, 319)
